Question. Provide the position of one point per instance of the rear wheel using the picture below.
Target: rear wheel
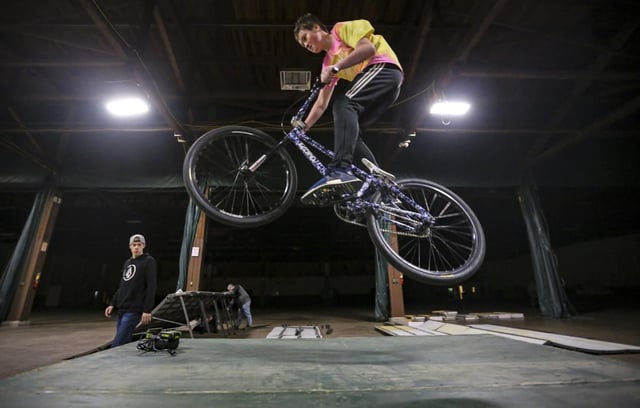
(447, 252)
(218, 178)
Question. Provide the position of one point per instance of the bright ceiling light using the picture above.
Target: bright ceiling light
(449, 108)
(127, 106)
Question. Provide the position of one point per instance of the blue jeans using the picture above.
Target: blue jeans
(127, 323)
(244, 310)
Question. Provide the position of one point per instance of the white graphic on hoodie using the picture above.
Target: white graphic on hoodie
(129, 273)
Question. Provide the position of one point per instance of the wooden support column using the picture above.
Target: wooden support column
(396, 297)
(194, 268)
(22, 303)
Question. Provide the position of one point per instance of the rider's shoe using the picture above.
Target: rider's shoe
(331, 188)
(377, 170)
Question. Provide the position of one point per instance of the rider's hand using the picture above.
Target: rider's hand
(297, 123)
(327, 75)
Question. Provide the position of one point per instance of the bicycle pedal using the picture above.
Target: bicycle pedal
(329, 195)
(324, 199)
(377, 170)
(314, 200)
(345, 214)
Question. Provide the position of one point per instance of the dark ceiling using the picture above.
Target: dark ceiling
(553, 86)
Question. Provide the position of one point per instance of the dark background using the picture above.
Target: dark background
(554, 94)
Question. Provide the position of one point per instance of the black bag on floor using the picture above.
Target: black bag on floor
(160, 339)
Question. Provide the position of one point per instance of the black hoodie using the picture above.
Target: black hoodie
(137, 289)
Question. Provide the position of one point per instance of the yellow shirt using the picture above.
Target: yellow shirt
(346, 35)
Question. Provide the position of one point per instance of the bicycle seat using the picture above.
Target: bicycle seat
(373, 169)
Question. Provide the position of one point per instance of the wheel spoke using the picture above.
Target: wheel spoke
(448, 250)
(218, 177)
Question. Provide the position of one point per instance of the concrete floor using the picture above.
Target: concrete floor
(35, 352)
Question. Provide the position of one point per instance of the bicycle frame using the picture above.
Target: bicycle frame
(371, 182)
(242, 177)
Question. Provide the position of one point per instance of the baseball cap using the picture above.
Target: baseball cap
(137, 238)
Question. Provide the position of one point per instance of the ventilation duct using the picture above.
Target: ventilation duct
(295, 80)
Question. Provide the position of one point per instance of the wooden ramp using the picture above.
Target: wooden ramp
(181, 309)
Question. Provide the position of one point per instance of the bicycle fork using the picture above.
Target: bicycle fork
(264, 157)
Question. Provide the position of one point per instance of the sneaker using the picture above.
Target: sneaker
(377, 170)
(332, 188)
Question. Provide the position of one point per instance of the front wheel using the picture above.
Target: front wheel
(219, 176)
(445, 252)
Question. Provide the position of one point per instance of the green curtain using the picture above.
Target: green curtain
(188, 235)
(552, 298)
(382, 309)
(15, 266)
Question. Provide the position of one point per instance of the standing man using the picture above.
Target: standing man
(241, 299)
(353, 53)
(136, 293)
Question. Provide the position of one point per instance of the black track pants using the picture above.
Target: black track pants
(370, 94)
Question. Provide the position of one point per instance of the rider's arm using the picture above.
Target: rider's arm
(363, 50)
(320, 105)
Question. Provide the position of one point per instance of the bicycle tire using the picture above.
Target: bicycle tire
(446, 253)
(216, 177)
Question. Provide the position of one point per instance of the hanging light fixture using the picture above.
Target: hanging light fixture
(127, 106)
(439, 105)
(449, 108)
(126, 99)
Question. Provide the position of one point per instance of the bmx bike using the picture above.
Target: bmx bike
(243, 177)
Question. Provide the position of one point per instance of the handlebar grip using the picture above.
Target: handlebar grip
(298, 123)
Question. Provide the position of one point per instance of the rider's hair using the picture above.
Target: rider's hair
(306, 22)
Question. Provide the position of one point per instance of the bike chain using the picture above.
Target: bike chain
(404, 234)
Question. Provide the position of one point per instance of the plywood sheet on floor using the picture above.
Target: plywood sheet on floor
(401, 330)
(571, 342)
(295, 333)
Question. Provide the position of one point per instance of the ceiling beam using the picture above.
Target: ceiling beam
(213, 97)
(38, 149)
(536, 153)
(168, 49)
(64, 63)
(140, 74)
(85, 129)
(381, 128)
(542, 75)
(475, 34)
(599, 65)
(627, 109)
(470, 72)
(425, 24)
(63, 142)
(185, 85)
(99, 19)
(479, 29)
(65, 42)
(425, 21)
(65, 26)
